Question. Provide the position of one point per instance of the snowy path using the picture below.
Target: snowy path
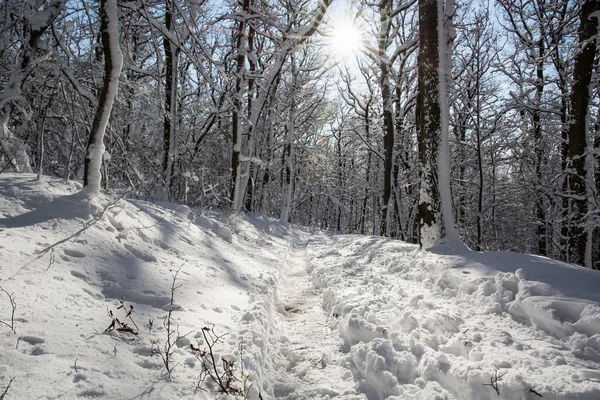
(310, 344)
(365, 318)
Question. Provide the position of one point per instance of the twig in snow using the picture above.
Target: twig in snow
(13, 305)
(158, 221)
(128, 313)
(210, 366)
(6, 389)
(52, 259)
(117, 325)
(494, 382)
(534, 392)
(173, 336)
(106, 207)
(6, 166)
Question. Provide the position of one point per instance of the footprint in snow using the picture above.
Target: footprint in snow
(148, 364)
(144, 351)
(291, 309)
(32, 345)
(92, 393)
(140, 254)
(79, 275)
(73, 253)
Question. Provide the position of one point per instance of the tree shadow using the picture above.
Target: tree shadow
(64, 207)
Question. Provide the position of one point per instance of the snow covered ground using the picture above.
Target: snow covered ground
(309, 314)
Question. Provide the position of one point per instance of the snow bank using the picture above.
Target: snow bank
(418, 325)
(69, 263)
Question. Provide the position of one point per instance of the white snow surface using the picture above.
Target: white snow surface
(310, 314)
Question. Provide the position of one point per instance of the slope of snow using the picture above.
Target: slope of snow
(309, 315)
(418, 325)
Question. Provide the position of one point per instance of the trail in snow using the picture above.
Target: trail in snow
(311, 346)
(359, 317)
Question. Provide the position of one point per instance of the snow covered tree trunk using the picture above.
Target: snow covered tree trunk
(288, 184)
(253, 173)
(363, 219)
(36, 24)
(113, 61)
(170, 113)
(385, 13)
(540, 210)
(237, 188)
(436, 225)
(578, 132)
(595, 237)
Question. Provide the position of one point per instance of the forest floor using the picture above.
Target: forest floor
(299, 313)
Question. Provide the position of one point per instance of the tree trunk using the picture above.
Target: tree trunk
(540, 210)
(363, 221)
(436, 225)
(479, 150)
(288, 166)
(596, 232)
(578, 131)
(253, 172)
(385, 13)
(170, 114)
(236, 129)
(113, 61)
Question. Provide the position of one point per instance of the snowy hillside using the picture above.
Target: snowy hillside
(311, 315)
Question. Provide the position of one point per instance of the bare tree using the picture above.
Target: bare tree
(242, 157)
(113, 62)
(171, 82)
(436, 224)
(36, 23)
(578, 132)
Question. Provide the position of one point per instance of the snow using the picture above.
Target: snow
(309, 314)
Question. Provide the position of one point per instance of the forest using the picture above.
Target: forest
(429, 121)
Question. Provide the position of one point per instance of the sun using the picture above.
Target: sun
(347, 40)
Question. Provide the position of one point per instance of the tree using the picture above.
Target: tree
(113, 62)
(436, 225)
(537, 29)
(476, 113)
(171, 82)
(35, 25)
(241, 157)
(578, 131)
